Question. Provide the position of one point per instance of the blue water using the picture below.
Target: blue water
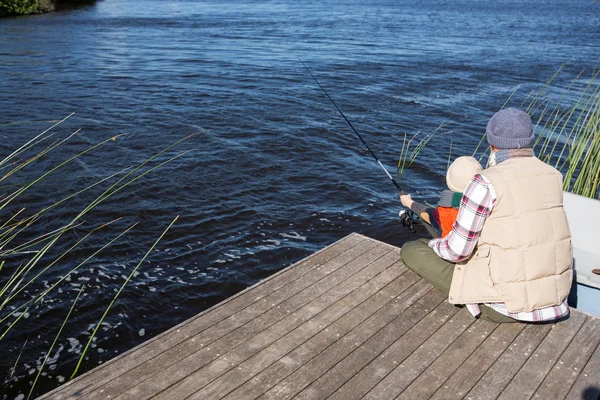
(273, 172)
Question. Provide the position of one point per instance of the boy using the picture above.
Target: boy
(442, 217)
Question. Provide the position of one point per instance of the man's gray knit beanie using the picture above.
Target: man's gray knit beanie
(510, 129)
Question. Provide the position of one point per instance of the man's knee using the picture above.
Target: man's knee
(412, 250)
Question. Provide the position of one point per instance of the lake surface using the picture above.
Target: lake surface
(273, 173)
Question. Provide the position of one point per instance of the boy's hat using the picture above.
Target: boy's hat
(510, 129)
(461, 172)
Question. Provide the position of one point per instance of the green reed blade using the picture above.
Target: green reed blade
(117, 295)
(20, 149)
(54, 342)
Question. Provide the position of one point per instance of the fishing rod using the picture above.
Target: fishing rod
(402, 192)
(405, 216)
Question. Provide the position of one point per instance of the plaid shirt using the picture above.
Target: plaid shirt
(477, 203)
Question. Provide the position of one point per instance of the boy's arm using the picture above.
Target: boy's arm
(425, 217)
(424, 212)
(432, 217)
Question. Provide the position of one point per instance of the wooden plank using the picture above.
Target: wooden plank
(285, 339)
(370, 293)
(185, 330)
(312, 370)
(568, 367)
(252, 319)
(506, 367)
(329, 382)
(304, 306)
(286, 365)
(533, 372)
(437, 373)
(467, 375)
(388, 375)
(587, 385)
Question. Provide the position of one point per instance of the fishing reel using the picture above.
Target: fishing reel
(407, 219)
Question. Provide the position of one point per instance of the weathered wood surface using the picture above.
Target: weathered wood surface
(350, 322)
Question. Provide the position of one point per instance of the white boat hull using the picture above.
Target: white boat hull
(584, 221)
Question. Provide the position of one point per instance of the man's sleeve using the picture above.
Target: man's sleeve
(475, 206)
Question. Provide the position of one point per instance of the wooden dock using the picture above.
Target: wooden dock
(350, 322)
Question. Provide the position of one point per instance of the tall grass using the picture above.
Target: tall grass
(567, 125)
(410, 151)
(34, 247)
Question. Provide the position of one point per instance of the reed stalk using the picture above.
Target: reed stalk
(404, 154)
(54, 342)
(408, 156)
(117, 295)
(14, 367)
(449, 154)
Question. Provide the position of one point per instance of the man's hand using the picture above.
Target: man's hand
(406, 200)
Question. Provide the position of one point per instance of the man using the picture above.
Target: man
(508, 257)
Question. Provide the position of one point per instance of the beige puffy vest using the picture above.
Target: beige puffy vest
(524, 255)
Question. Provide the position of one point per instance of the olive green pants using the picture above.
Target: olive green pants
(420, 258)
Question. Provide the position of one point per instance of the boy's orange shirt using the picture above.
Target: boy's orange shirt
(447, 218)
